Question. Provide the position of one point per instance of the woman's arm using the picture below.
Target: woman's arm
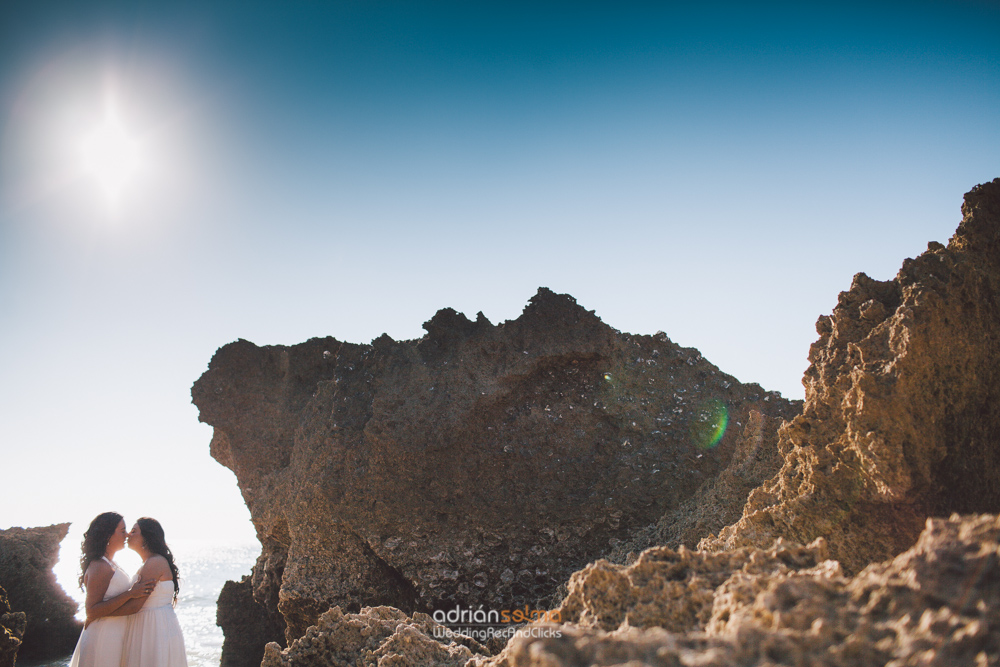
(98, 576)
(152, 571)
(130, 607)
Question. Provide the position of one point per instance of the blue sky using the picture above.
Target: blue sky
(718, 171)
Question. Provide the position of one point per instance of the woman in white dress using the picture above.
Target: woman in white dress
(152, 635)
(108, 591)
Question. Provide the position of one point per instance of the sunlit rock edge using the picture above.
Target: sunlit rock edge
(37, 617)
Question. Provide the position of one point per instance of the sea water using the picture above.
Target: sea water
(204, 568)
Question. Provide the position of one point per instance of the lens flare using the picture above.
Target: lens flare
(709, 423)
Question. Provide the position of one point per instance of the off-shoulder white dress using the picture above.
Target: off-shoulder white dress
(153, 636)
(100, 643)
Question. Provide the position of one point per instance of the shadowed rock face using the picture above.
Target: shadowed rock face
(719, 501)
(27, 556)
(250, 626)
(901, 418)
(479, 465)
(12, 625)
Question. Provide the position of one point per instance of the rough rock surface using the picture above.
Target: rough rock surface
(27, 556)
(248, 626)
(719, 501)
(481, 464)
(899, 425)
(375, 637)
(938, 604)
(901, 418)
(12, 624)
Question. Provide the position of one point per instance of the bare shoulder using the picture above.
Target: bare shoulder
(156, 567)
(100, 565)
(100, 569)
(97, 577)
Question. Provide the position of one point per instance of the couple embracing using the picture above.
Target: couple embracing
(130, 621)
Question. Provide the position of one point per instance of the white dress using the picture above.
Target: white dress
(100, 643)
(153, 636)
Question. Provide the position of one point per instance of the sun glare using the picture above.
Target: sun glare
(111, 156)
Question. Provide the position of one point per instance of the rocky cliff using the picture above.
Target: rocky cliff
(899, 425)
(901, 417)
(479, 465)
(27, 556)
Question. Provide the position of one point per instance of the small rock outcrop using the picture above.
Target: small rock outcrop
(247, 625)
(479, 465)
(376, 637)
(12, 624)
(27, 556)
(901, 417)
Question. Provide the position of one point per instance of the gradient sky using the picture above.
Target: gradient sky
(718, 171)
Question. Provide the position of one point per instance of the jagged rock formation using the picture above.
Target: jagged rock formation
(250, 626)
(377, 636)
(681, 591)
(27, 556)
(936, 604)
(901, 417)
(12, 624)
(481, 464)
(899, 425)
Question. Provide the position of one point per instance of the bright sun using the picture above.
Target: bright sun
(111, 156)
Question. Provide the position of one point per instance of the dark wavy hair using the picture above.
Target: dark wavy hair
(152, 537)
(95, 540)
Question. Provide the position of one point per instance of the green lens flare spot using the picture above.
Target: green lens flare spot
(709, 424)
(607, 377)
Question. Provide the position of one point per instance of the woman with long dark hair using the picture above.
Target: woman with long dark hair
(109, 591)
(153, 636)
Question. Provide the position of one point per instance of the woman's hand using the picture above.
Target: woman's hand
(142, 588)
(98, 578)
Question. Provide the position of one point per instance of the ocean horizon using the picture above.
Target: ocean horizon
(204, 569)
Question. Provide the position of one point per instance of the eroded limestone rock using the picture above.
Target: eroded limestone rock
(249, 626)
(680, 590)
(899, 425)
(719, 501)
(901, 418)
(27, 556)
(937, 603)
(375, 637)
(12, 624)
(481, 464)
